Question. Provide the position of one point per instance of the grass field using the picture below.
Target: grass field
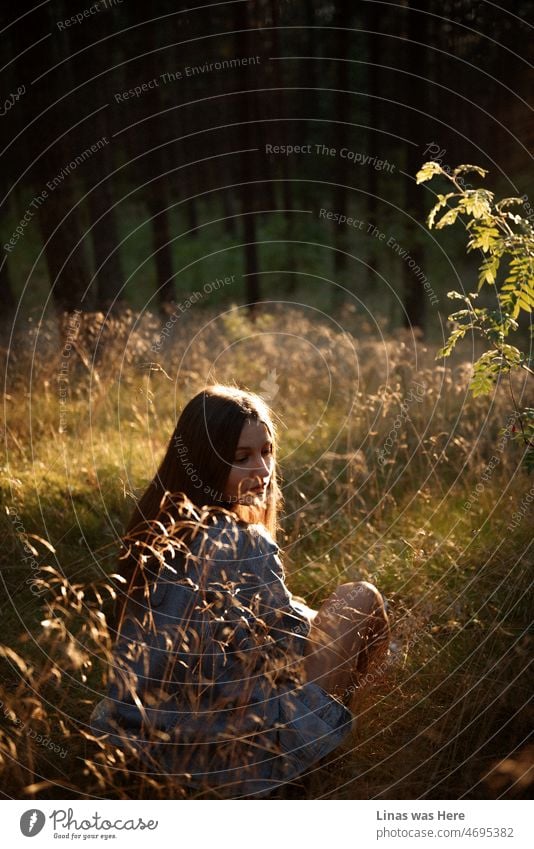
(391, 472)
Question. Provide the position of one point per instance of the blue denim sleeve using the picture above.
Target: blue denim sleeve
(171, 636)
(285, 619)
(206, 616)
(150, 656)
(238, 574)
(208, 666)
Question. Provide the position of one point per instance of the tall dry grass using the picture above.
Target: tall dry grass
(389, 474)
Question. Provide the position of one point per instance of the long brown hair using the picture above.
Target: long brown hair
(193, 474)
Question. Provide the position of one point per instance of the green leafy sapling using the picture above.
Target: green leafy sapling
(506, 242)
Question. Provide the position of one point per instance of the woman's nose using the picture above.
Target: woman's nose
(263, 467)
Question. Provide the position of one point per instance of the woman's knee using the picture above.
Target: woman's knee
(360, 594)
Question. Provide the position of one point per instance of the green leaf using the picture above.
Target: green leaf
(455, 335)
(513, 355)
(477, 203)
(462, 169)
(481, 384)
(442, 201)
(528, 460)
(484, 238)
(502, 204)
(456, 316)
(429, 170)
(488, 271)
(485, 373)
(449, 218)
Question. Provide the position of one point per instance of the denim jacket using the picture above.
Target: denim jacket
(209, 686)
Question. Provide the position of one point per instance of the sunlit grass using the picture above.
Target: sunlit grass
(455, 577)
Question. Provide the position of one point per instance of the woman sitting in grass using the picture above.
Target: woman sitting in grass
(222, 677)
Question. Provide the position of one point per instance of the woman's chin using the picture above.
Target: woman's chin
(248, 499)
(252, 498)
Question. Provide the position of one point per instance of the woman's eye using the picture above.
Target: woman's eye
(268, 450)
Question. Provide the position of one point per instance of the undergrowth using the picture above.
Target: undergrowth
(391, 473)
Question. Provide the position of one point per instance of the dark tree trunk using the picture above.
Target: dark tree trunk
(287, 188)
(340, 138)
(62, 232)
(104, 231)
(60, 218)
(247, 191)
(190, 187)
(109, 282)
(416, 89)
(161, 234)
(230, 224)
(308, 95)
(7, 298)
(371, 22)
(16, 80)
(157, 193)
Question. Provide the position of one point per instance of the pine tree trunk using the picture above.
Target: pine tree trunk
(247, 192)
(416, 90)
(59, 215)
(340, 131)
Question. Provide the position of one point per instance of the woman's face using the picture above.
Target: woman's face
(253, 466)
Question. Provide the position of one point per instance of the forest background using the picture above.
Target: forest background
(228, 192)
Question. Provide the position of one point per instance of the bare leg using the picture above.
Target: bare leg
(349, 634)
